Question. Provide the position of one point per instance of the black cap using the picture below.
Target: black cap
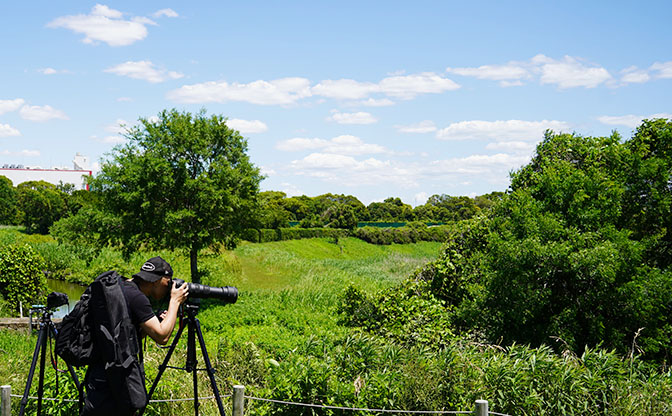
(154, 269)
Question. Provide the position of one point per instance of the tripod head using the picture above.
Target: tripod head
(191, 306)
(54, 300)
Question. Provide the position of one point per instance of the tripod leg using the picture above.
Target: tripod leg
(208, 366)
(192, 363)
(24, 400)
(40, 385)
(163, 366)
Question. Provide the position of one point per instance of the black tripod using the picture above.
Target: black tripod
(47, 329)
(194, 330)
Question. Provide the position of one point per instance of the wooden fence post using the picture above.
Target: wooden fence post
(481, 408)
(6, 405)
(238, 400)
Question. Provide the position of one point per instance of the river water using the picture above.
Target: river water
(74, 291)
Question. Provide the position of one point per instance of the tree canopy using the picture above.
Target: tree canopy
(40, 205)
(579, 248)
(181, 181)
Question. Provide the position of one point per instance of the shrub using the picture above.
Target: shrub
(293, 233)
(411, 233)
(21, 275)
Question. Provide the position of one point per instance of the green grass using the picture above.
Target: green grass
(283, 340)
(288, 292)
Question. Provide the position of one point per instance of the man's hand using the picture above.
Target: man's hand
(160, 331)
(179, 294)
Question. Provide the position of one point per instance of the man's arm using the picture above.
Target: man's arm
(160, 331)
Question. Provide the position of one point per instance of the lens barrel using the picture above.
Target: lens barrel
(226, 294)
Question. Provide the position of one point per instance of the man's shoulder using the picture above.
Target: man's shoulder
(131, 290)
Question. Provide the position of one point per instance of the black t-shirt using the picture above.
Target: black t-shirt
(139, 307)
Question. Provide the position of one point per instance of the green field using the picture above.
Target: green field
(288, 292)
(283, 340)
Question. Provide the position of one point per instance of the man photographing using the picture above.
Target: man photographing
(115, 380)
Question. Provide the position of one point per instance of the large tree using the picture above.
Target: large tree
(180, 181)
(8, 201)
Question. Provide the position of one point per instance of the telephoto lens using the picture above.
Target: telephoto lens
(226, 294)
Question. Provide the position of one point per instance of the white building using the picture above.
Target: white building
(76, 176)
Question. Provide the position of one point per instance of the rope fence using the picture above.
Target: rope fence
(185, 399)
(238, 404)
(362, 409)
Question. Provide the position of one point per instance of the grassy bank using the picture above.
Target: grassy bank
(283, 340)
(288, 291)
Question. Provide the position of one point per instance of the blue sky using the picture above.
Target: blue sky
(372, 99)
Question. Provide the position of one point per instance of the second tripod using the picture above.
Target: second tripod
(193, 326)
(46, 330)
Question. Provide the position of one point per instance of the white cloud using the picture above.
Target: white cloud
(492, 166)
(409, 86)
(144, 70)
(41, 113)
(341, 145)
(349, 171)
(664, 69)
(105, 25)
(48, 71)
(634, 75)
(420, 198)
(281, 91)
(286, 91)
(346, 170)
(510, 71)
(630, 120)
(344, 89)
(426, 126)
(166, 13)
(7, 106)
(373, 102)
(352, 118)
(8, 131)
(570, 72)
(247, 126)
(501, 130)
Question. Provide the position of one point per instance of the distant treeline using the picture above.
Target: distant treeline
(346, 211)
(37, 205)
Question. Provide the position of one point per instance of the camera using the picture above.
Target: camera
(226, 294)
(56, 299)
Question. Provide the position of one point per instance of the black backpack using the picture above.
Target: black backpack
(74, 340)
(79, 328)
(101, 317)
